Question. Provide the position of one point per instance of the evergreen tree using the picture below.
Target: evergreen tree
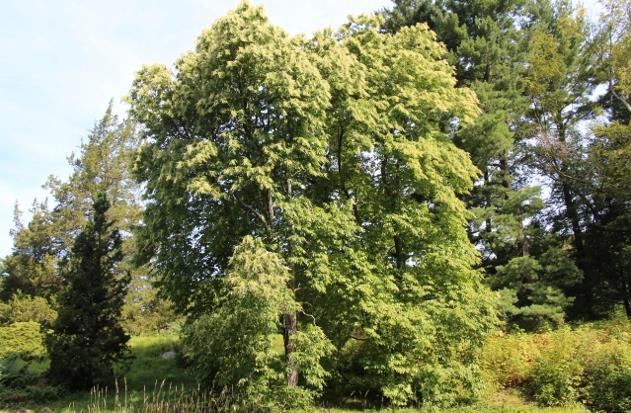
(103, 164)
(608, 232)
(31, 267)
(561, 77)
(87, 336)
(486, 44)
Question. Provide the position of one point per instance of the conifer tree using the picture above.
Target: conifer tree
(103, 163)
(486, 44)
(87, 336)
(561, 77)
(608, 182)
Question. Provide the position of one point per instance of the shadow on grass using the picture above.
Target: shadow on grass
(149, 367)
(139, 377)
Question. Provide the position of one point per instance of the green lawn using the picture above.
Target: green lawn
(150, 377)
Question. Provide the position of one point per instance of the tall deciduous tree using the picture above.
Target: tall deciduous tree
(394, 160)
(232, 145)
(332, 160)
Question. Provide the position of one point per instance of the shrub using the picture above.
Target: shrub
(30, 394)
(14, 372)
(22, 308)
(556, 374)
(23, 339)
(608, 378)
(507, 360)
(590, 364)
(21, 382)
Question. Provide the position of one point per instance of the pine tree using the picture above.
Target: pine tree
(87, 336)
(560, 79)
(488, 43)
(608, 182)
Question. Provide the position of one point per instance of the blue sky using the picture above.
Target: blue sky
(62, 61)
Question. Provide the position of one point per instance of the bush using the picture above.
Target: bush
(22, 381)
(590, 364)
(556, 375)
(14, 372)
(608, 378)
(23, 339)
(507, 360)
(23, 308)
(30, 394)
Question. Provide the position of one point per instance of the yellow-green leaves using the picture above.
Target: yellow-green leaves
(257, 274)
(314, 179)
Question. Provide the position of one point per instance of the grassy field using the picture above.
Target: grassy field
(150, 377)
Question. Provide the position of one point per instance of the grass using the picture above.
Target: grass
(148, 367)
(140, 377)
(148, 377)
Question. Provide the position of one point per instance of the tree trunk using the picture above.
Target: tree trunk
(488, 222)
(570, 206)
(289, 329)
(572, 214)
(506, 178)
(627, 306)
(398, 252)
(290, 322)
(626, 300)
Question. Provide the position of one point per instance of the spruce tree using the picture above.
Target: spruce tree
(87, 336)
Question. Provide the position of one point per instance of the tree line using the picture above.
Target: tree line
(382, 197)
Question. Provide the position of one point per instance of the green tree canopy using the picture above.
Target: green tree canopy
(333, 156)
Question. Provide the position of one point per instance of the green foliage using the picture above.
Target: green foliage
(487, 42)
(556, 375)
(608, 376)
(103, 165)
(30, 269)
(22, 351)
(29, 394)
(23, 339)
(537, 301)
(147, 313)
(14, 372)
(233, 345)
(589, 364)
(336, 156)
(87, 337)
(23, 308)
